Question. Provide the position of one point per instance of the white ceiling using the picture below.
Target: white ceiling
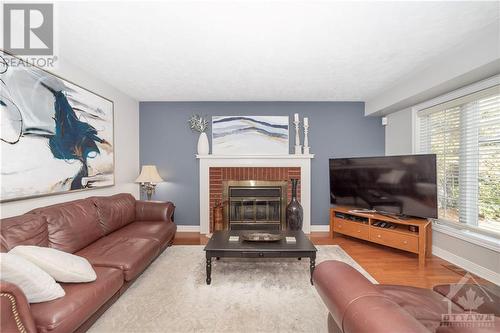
(262, 50)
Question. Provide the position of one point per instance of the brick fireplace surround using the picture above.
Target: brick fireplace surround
(214, 169)
(219, 174)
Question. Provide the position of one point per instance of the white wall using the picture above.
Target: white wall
(398, 133)
(126, 132)
(468, 62)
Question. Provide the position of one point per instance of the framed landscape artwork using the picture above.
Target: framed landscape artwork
(250, 135)
(56, 136)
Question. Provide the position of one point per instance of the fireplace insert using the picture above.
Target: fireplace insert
(255, 205)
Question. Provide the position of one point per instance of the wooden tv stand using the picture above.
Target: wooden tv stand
(360, 225)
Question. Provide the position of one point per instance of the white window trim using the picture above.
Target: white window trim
(455, 229)
(467, 90)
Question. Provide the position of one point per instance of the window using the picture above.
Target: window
(464, 133)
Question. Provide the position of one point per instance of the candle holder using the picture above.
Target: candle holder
(306, 139)
(298, 146)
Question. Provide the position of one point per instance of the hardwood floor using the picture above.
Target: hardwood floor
(386, 265)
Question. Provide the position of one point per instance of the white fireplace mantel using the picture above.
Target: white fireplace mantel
(255, 157)
(209, 161)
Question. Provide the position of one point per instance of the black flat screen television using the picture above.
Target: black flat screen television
(399, 185)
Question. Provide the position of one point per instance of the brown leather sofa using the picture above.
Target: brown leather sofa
(119, 235)
(358, 306)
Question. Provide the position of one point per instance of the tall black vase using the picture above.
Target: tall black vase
(294, 211)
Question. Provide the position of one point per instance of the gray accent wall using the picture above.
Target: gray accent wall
(337, 129)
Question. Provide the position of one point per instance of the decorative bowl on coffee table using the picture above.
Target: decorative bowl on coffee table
(261, 237)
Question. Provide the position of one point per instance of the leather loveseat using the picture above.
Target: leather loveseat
(120, 236)
(358, 306)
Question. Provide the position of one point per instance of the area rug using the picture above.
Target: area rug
(246, 295)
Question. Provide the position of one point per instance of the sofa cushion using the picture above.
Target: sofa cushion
(36, 284)
(131, 255)
(81, 301)
(424, 305)
(62, 266)
(72, 225)
(115, 211)
(28, 229)
(161, 231)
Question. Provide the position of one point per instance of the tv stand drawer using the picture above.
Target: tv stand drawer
(409, 234)
(354, 229)
(392, 239)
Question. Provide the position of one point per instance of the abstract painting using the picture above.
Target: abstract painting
(250, 135)
(55, 136)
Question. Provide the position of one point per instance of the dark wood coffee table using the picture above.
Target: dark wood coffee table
(219, 246)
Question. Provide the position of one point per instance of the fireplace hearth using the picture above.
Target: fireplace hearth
(254, 205)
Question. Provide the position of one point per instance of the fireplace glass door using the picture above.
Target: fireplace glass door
(255, 207)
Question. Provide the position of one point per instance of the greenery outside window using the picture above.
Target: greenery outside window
(464, 133)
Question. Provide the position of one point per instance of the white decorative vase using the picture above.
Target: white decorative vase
(203, 146)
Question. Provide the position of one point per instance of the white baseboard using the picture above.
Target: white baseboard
(320, 228)
(188, 228)
(468, 265)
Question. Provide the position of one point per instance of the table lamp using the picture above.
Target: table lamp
(148, 179)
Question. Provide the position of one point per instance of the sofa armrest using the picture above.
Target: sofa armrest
(15, 310)
(154, 211)
(356, 305)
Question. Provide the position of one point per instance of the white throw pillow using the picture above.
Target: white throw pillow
(37, 285)
(62, 266)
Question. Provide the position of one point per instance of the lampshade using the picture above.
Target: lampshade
(149, 174)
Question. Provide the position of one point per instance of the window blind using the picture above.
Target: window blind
(465, 136)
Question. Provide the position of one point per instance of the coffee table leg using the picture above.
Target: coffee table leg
(312, 265)
(209, 269)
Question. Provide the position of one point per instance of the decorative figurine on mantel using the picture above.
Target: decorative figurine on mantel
(199, 124)
(294, 210)
(306, 136)
(296, 122)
